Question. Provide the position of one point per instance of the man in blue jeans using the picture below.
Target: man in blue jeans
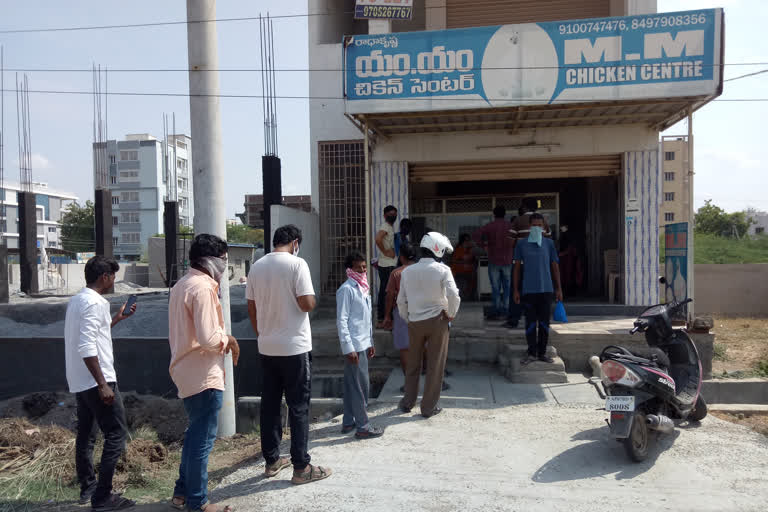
(494, 237)
(536, 261)
(355, 326)
(198, 342)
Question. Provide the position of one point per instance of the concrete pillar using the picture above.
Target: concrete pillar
(379, 26)
(103, 223)
(208, 171)
(3, 273)
(171, 230)
(28, 242)
(437, 14)
(273, 194)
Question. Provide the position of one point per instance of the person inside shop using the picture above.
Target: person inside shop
(403, 236)
(463, 266)
(494, 238)
(385, 242)
(570, 261)
(536, 280)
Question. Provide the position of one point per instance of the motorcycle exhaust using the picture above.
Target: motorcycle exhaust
(660, 423)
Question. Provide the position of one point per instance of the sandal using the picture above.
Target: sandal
(210, 507)
(273, 469)
(314, 474)
(114, 502)
(179, 502)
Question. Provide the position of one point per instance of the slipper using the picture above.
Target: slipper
(276, 467)
(114, 502)
(314, 474)
(179, 502)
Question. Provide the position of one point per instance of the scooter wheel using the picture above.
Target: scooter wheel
(699, 411)
(638, 443)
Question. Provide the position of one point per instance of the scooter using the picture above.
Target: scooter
(645, 391)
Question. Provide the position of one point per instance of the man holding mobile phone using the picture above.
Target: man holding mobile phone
(91, 376)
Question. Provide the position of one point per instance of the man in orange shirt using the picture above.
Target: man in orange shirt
(198, 343)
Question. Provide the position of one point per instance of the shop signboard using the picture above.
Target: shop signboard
(608, 59)
(383, 9)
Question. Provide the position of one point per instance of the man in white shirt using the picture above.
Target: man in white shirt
(385, 242)
(428, 300)
(280, 296)
(90, 368)
(353, 321)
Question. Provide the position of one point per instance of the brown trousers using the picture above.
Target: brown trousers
(432, 333)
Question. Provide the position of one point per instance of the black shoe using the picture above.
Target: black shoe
(448, 373)
(546, 359)
(528, 359)
(86, 495)
(446, 386)
(404, 410)
(346, 429)
(114, 502)
(511, 324)
(435, 412)
(370, 433)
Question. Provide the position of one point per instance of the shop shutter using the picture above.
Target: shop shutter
(528, 169)
(479, 13)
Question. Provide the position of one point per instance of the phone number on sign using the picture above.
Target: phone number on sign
(381, 11)
(679, 20)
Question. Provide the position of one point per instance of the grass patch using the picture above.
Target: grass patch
(741, 345)
(762, 368)
(721, 352)
(718, 249)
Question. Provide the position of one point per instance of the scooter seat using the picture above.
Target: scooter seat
(652, 357)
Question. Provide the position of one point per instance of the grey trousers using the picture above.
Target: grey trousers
(432, 333)
(356, 389)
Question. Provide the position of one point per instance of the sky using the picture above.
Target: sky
(729, 136)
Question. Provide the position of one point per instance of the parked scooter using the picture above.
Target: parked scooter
(645, 391)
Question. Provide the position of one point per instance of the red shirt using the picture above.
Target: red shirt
(500, 245)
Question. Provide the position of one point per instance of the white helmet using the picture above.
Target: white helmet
(437, 243)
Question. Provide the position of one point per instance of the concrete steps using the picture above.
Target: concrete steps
(537, 372)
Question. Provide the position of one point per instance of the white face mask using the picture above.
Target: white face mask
(296, 249)
(215, 266)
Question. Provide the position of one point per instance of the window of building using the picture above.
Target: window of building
(115, 199)
(115, 240)
(129, 175)
(759, 230)
(114, 221)
(111, 159)
(180, 144)
(669, 217)
(669, 196)
(129, 155)
(131, 238)
(113, 180)
(130, 196)
(129, 217)
(669, 176)
(51, 229)
(181, 163)
(669, 155)
(52, 244)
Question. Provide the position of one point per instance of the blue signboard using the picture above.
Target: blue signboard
(676, 261)
(633, 57)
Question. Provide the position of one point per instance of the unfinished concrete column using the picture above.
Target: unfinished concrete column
(171, 230)
(103, 223)
(4, 295)
(28, 242)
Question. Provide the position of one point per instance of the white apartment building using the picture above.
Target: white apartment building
(140, 184)
(50, 208)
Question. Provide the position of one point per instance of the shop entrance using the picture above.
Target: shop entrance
(583, 214)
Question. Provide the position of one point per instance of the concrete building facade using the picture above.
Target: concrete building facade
(676, 197)
(51, 204)
(254, 208)
(589, 154)
(140, 183)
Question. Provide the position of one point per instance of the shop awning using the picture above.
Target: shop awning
(656, 114)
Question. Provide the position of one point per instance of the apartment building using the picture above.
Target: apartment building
(676, 195)
(51, 204)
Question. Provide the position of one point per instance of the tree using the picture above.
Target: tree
(242, 234)
(711, 219)
(77, 228)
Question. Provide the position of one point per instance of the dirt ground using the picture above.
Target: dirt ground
(740, 344)
(757, 422)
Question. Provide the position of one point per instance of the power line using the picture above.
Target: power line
(747, 75)
(300, 97)
(336, 70)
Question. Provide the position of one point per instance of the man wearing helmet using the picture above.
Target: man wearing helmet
(428, 300)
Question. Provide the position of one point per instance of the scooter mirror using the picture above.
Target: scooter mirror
(663, 280)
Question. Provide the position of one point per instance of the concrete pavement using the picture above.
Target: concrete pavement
(502, 446)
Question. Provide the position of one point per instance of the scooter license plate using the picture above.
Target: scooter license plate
(620, 403)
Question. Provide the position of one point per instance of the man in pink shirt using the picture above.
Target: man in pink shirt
(198, 344)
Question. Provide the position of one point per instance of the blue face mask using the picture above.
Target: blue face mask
(535, 235)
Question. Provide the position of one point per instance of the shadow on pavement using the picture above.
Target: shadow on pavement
(600, 457)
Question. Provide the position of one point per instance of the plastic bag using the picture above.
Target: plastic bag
(560, 315)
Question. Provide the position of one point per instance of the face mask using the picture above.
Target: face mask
(564, 229)
(390, 219)
(296, 250)
(215, 267)
(535, 235)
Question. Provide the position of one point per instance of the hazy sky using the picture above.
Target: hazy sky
(729, 135)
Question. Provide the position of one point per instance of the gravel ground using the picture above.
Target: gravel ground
(527, 458)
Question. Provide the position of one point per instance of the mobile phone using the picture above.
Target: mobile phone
(128, 305)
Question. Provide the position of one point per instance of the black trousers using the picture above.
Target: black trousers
(537, 307)
(91, 411)
(290, 375)
(381, 304)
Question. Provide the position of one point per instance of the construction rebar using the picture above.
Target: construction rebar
(268, 84)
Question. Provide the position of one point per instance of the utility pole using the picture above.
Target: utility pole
(208, 172)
